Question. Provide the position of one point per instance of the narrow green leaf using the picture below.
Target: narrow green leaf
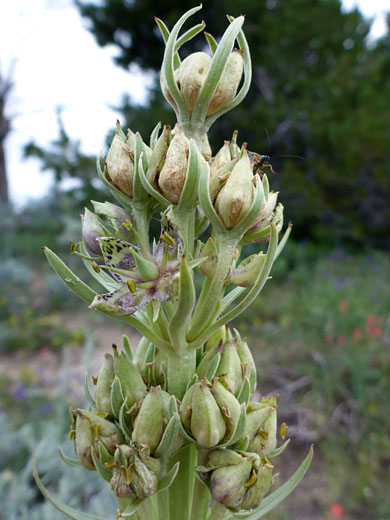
(212, 42)
(104, 454)
(217, 66)
(154, 135)
(245, 392)
(88, 394)
(166, 481)
(243, 44)
(280, 494)
(189, 192)
(60, 506)
(131, 509)
(280, 450)
(212, 366)
(126, 429)
(116, 396)
(205, 201)
(72, 281)
(103, 471)
(127, 347)
(178, 323)
(149, 188)
(167, 69)
(74, 463)
(169, 439)
(239, 430)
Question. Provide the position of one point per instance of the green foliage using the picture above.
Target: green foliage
(35, 427)
(331, 331)
(319, 90)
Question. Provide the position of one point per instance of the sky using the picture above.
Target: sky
(55, 61)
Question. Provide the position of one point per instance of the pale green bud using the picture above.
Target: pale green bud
(258, 490)
(261, 426)
(247, 362)
(227, 483)
(230, 367)
(132, 384)
(237, 479)
(191, 75)
(214, 340)
(220, 166)
(228, 404)
(235, 198)
(207, 423)
(150, 423)
(158, 156)
(103, 386)
(228, 84)
(120, 162)
(135, 473)
(173, 174)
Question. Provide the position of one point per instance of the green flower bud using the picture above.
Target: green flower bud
(235, 198)
(192, 73)
(158, 156)
(227, 484)
(207, 423)
(247, 362)
(135, 473)
(173, 173)
(120, 162)
(208, 251)
(258, 490)
(228, 404)
(119, 219)
(132, 384)
(261, 426)
(248, 271)
(214, 340)
(89, 429)
(83, 441)
(218, 169)
(92, 228)
(261, 231)
(237, 479)
(230, 367)
(103, 386)
(150, 422)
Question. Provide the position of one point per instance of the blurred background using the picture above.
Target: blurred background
(320, 331)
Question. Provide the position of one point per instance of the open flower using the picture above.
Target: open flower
(140, 280)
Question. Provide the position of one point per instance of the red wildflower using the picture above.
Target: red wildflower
(336, 510)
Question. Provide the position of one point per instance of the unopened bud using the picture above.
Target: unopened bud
(103, 386)
(132, 384)
(235, 198)
(120, 162)
(173, 173)
(150, 422)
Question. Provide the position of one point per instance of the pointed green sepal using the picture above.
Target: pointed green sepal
(74, 463)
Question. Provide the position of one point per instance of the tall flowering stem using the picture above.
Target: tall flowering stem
(174, 426)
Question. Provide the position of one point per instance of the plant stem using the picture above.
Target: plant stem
(214, 290)
(163, 505)
(181, 368)
(180, 492)
(201, 494)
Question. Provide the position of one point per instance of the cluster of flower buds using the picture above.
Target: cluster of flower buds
(133, 429)
(189, 387)
(192, 73)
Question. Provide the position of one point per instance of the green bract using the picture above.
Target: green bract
(182, 404)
